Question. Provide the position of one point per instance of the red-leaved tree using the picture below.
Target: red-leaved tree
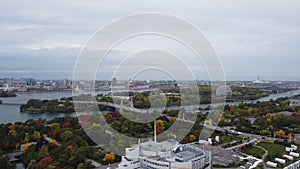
(46, 161)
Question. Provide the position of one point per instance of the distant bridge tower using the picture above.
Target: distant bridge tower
(123, 98)
(155, 139)
(182, 116)
(292, 99)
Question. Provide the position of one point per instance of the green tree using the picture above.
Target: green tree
(37, 135)
(67, 136)
(4, 163)
(26, 138)
(55, 126)
(80, 166)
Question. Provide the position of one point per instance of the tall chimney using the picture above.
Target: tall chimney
(155, 131)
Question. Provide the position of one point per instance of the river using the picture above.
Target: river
(10, 109)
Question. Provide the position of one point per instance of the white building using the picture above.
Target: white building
(294, 154)
(269, 163)
(288, 157)
(165, 155)
(282, 161)
(290, 149)
(295, 165)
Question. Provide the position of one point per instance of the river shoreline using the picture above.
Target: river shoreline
(10, 110)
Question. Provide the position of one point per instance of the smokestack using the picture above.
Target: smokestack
(155, 131)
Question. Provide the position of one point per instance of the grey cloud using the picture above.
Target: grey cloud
(245, 33)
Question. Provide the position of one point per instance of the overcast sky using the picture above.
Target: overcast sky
(42, 39)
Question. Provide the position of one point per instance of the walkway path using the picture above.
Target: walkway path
(240, 145)
(264, 156)
(94, 163)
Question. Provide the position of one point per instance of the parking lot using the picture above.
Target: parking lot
(221, 156)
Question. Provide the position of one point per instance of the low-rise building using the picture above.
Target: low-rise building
(154, 155)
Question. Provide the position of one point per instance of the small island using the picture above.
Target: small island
(8, 94)
(47, 106)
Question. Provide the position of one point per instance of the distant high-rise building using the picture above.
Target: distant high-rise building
(30, 81)
(114, 81)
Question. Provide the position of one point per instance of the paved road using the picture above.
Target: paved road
(117, 106)
(240, 145)
(111, 166)
(94, 163)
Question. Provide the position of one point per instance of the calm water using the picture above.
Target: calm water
(10, 109)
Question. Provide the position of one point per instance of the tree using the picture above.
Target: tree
(109, 157)
(46, 161)
(160, 126)
(35, 103)
(17, 146)
(37, 135)
(4, 163)
(192, 138)
(26, 146)
(172, 120)
(80, 166)
(66, 125)
(12, 133)
(26, 138)
(280, 134)
(265, 132)
(53, 141)
(78, 157)
(55, 126)
(67, 136)
(44, 152)
(289, 136)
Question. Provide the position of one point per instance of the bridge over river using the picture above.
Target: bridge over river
(116, 106)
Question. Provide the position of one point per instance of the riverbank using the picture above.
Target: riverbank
(10, 109)
(8, 94)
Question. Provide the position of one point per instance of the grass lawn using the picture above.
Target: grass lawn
(228, 139)
(274, 150)
(256, 152)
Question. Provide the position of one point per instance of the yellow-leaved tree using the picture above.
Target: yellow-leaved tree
(109, 157)
(26, 146)
(160, 126)
(192, 137)
(52, 141)
(280, 134)
(80, 166)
